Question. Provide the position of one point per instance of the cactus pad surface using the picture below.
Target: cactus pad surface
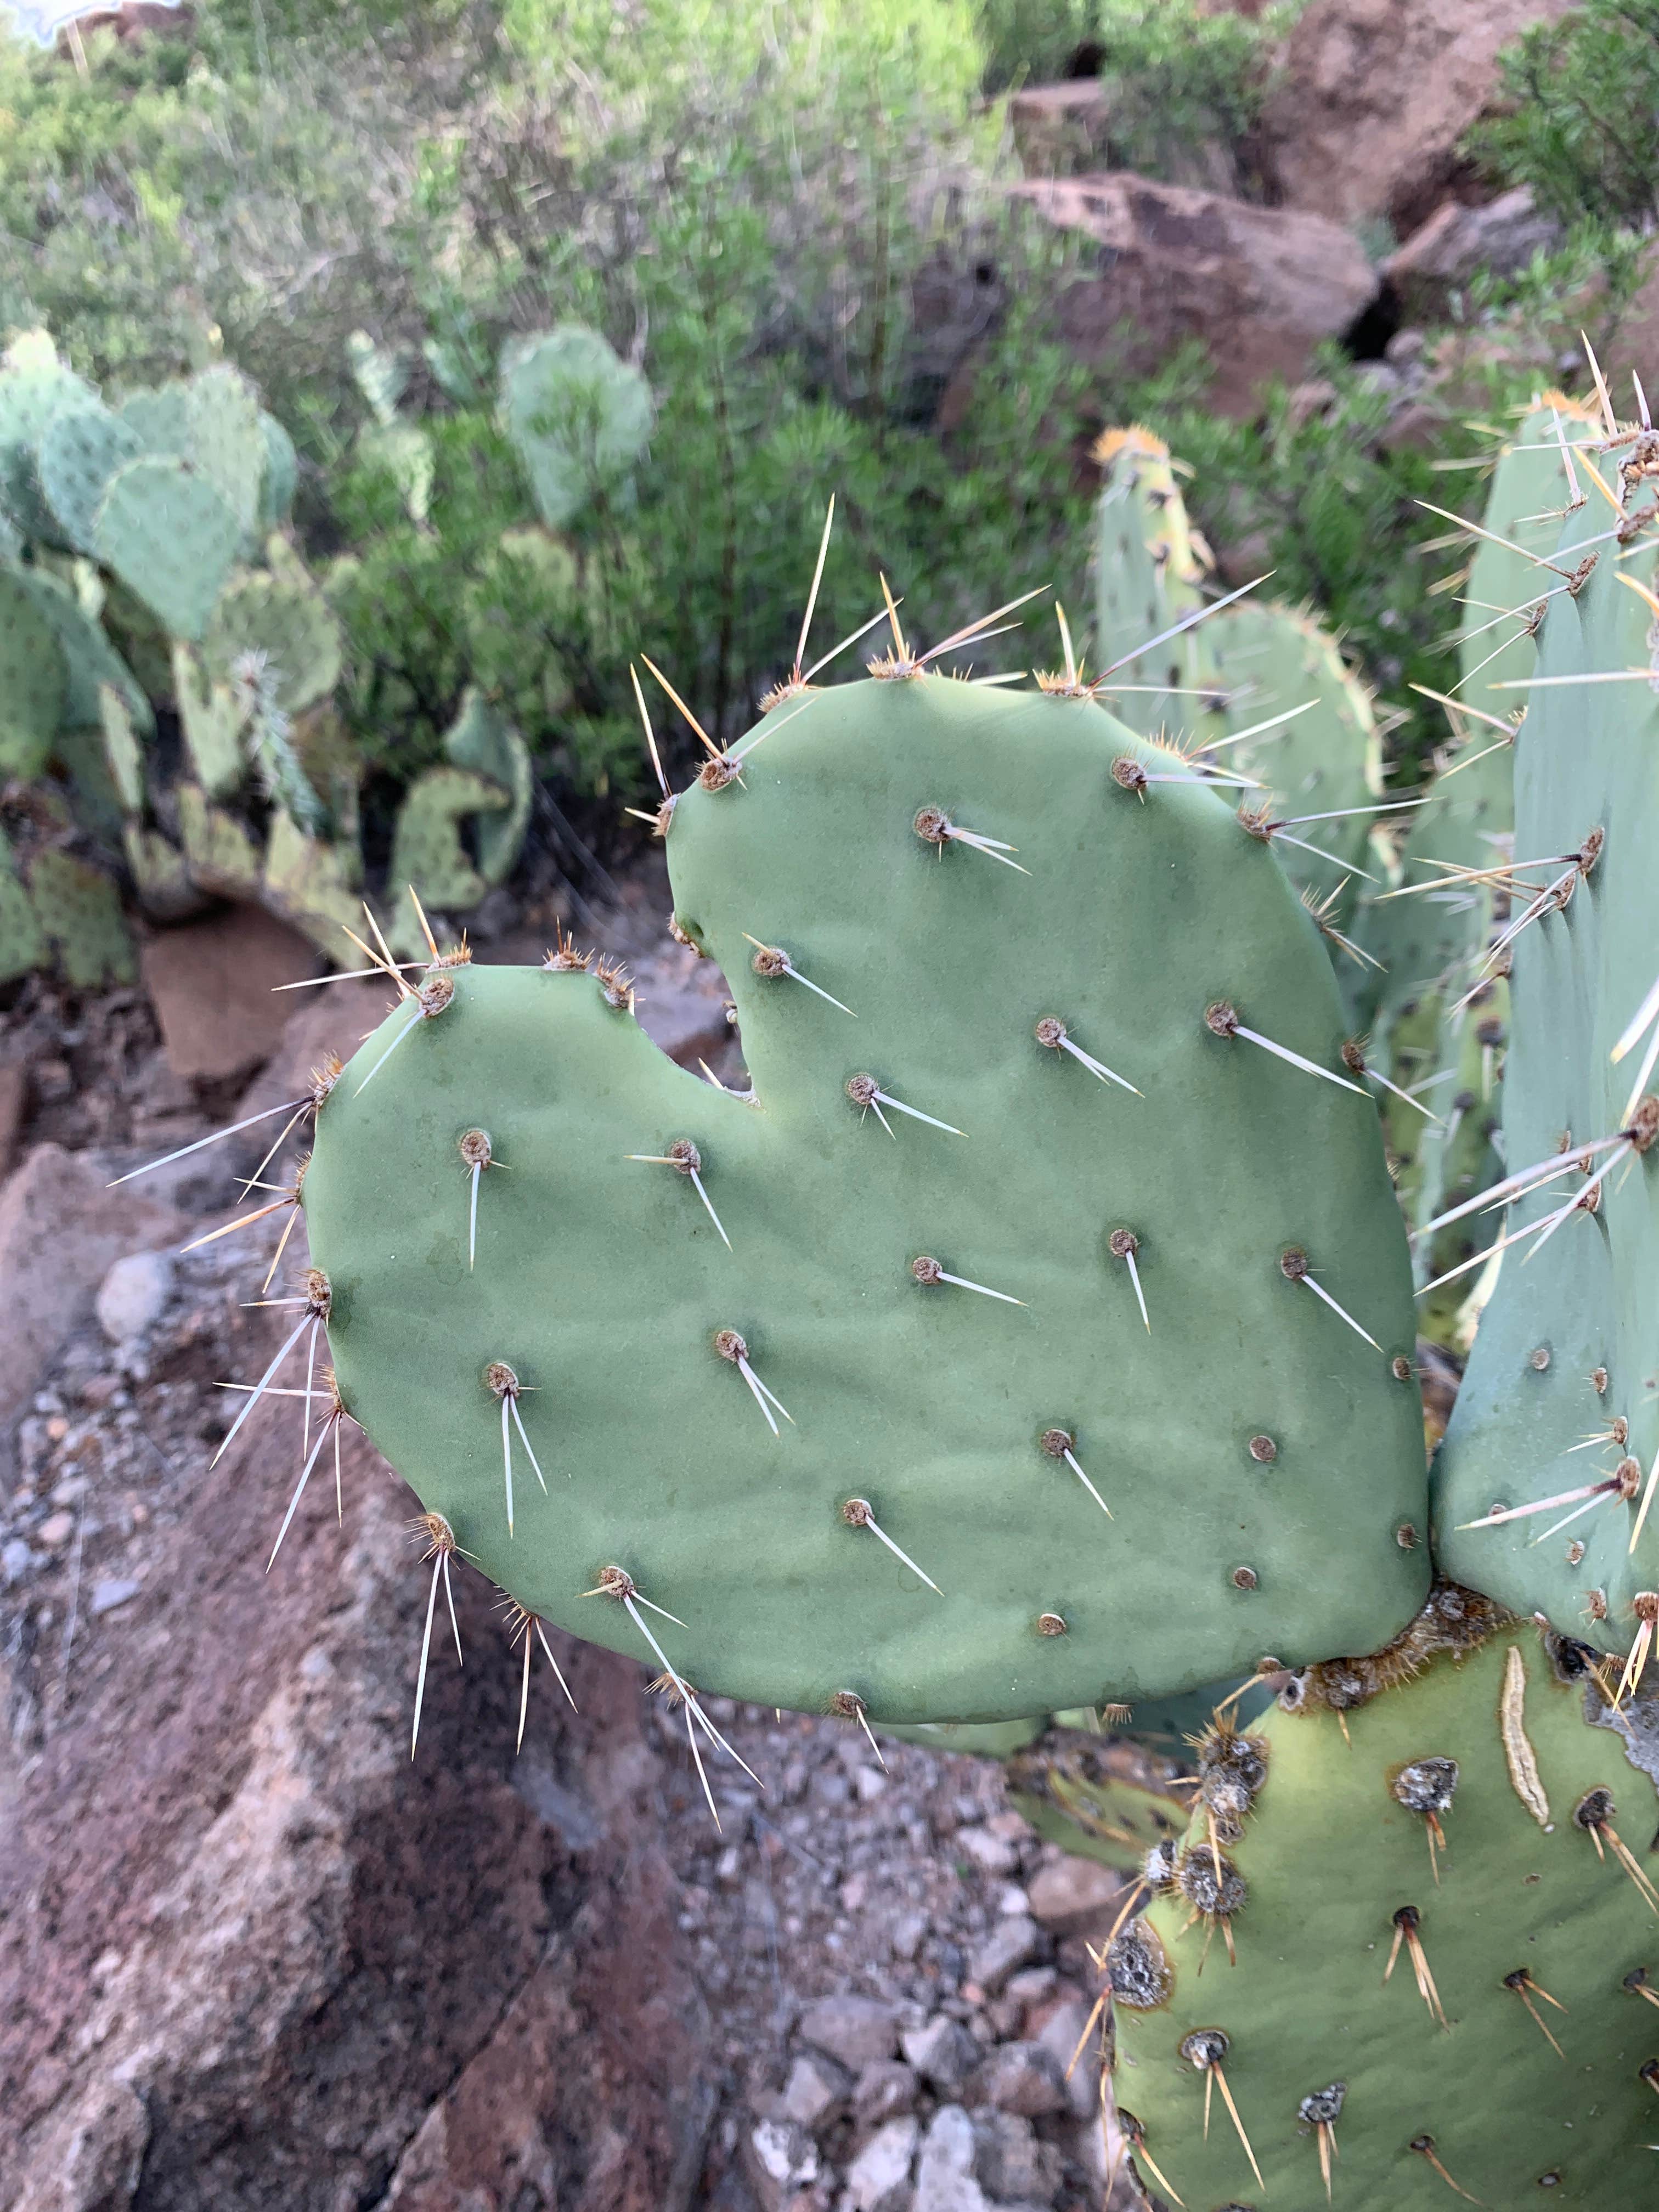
(917, 1407)
(1504, 1743)
(1565, 1348)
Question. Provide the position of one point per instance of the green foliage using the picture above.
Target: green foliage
(1334, 510)
(1580, 94)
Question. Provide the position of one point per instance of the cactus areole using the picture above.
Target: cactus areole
(928, 1264)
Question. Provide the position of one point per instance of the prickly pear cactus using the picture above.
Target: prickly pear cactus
(1428, 939)
(1442, 1949)
(578, 414)
(1058, 1306)
(1098, 1798)
(32, 679)
(23, 945)
(172, 541)
(1149, 568)
(33, 385)
(1559, 1397)
(1451, 1058)
(288, 623)
(1322, 758)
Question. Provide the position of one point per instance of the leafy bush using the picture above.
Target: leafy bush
(1182, 84)
(1580, 122)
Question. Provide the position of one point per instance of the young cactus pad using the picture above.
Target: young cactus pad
(1258, 1455)
(1149, 567)
(1483, 2092)
(1559, 1397)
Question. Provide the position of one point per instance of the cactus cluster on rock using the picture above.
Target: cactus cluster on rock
(1038, 1332)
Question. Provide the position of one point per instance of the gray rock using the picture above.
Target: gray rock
(107, 1595)
(942, 2052)
(992, 1853)
(1010, 2162)
(134, 1294)
(15, 1560)
(815, 2088)
(854, 2030)
(878, 2180)
(945, 2178)
(1015, 1943)
(1059, 2035)
(907, 1931)
(1023, 2078)
(1076, 1897)
(884, 2089)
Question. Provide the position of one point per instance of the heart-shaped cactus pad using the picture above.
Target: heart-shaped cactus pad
(1179, 1433)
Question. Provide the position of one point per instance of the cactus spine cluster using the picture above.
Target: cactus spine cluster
(1037, 1333)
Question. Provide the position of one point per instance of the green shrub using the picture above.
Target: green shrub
(1580, 122)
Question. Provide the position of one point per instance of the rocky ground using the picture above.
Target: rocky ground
(250, 1956)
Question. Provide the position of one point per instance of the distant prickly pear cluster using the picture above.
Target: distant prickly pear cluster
(145, 562)
(1037, 1336)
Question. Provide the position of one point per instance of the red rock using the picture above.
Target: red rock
(1260, 286)
(1373, 97)
(246, 1947)
(212, 984)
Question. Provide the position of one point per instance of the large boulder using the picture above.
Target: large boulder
(1373, 97)
(1260, 286)
(252, 1959)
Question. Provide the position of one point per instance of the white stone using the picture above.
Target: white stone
(944, 2179)
(134, 1294)
(882, 2168)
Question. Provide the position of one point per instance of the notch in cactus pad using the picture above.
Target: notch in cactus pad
(1015, 899)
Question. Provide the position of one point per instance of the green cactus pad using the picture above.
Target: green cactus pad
(1328, 1854)
(970, 1739)
(228, 438)
(1459, 1057)
(90, 661)
(1525, 505)
(170, 539)
(32, 679)
(1423, 940)
(1586, 760)
(220, 855)
(211, 719)
(1259, 1457)
(280, 479)
(34, 385)
(161, 418)
(1147, 575)
(483, 740)
(286, 620)
(426, 845)
(1097, 1798)
(80, 911)
(579, 415)
(1268, 660)
(22, 941)
(79, 451)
